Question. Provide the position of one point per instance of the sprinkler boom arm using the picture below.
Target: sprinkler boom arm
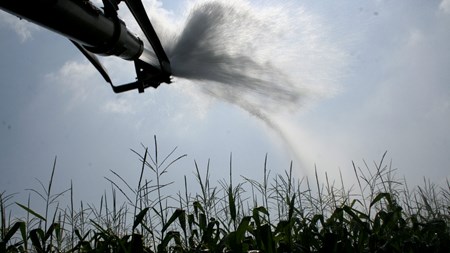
(100, 32)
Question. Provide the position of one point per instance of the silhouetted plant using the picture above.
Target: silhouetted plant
(281, 214)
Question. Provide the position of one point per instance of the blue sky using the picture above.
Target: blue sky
(378, 72)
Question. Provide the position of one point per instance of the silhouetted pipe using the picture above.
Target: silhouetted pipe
(82, 22)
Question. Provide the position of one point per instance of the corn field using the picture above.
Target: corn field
(277, 214)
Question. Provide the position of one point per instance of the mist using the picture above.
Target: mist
(262, 59)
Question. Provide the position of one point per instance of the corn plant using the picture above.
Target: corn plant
(272, 214)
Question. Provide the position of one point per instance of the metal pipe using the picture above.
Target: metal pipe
(82, 22)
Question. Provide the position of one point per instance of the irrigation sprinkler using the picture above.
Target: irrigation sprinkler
(96, 31)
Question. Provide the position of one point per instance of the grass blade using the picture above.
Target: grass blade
(31, 212)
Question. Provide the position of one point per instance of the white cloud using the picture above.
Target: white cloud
(120, 106)
(21, 27)
(80, 79)
(445, 6)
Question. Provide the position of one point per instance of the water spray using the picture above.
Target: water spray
(264, 60)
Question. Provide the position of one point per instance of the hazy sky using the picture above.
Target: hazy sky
(379, 69)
